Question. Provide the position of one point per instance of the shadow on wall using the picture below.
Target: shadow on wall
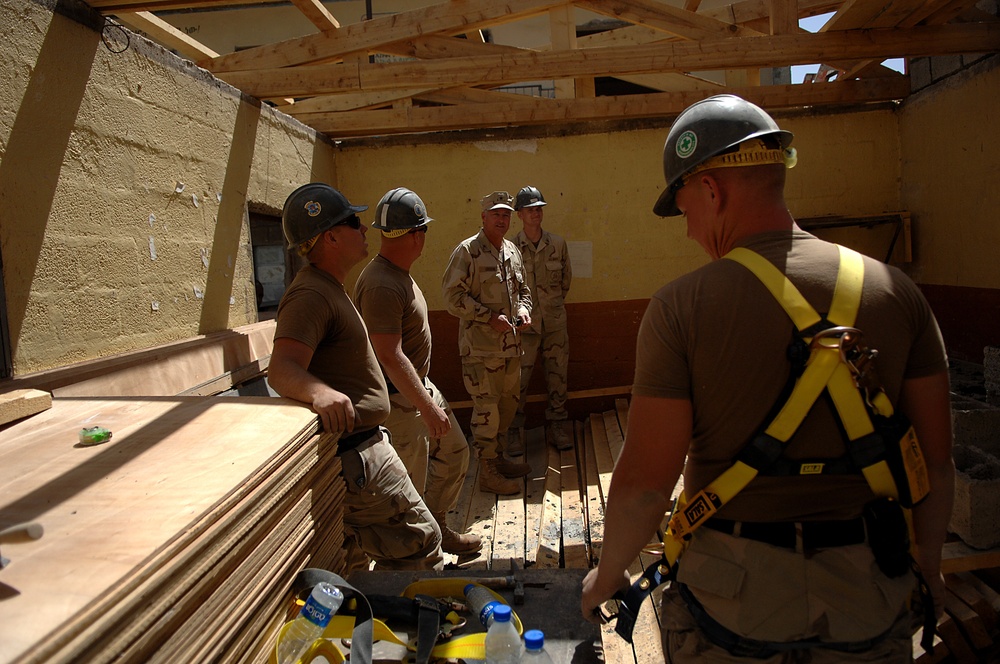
(30, 169)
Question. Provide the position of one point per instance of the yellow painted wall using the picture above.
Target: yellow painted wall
(951, 177)
(102, 253)
(601, 189)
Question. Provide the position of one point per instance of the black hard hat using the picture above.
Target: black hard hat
(312, 209)
(705, 129)
(400, 210)
(529, 197)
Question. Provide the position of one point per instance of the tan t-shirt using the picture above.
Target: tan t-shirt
(716, 336)
(391, 302)
(316, 311)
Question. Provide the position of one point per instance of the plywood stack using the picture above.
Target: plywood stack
(175, 541)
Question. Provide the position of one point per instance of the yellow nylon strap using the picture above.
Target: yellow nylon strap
(687, 517)
(787, 295)
(847, 292)
(821, 366)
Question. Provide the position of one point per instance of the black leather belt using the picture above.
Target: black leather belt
(347, 443)
(815, 534)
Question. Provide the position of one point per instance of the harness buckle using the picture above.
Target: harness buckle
(860, 360)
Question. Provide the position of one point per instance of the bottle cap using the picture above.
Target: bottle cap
(534, 639)
(501, 613)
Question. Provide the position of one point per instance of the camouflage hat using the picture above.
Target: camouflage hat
(498, 199)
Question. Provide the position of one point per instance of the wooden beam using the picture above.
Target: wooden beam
(166, 34)
(317, 14)
(365, 123)
(114, 6)
(784, 17)
(445, 18)
(767, 51)
(673, 20)
(351, 101)
(432, 47)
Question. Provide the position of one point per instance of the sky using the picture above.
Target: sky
(813, 24)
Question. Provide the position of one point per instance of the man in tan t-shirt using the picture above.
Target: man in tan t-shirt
(423, 428)
(322, 357)
(793, 567)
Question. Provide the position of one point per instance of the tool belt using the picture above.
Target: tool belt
(815, 534)
(426, 604)
(828, 356)
(354, 440)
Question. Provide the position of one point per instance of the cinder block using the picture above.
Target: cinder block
(976, 424)
(976, 513)
(991, 370)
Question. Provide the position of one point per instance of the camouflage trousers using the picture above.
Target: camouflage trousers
(437, 466)
(554, 345)
(492, 383)
(384, 517)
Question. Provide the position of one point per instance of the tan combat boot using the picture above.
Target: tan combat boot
(515, 442)
(559, 434)
(457, 543)
(509, 468)
(491, 481)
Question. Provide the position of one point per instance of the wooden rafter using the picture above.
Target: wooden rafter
(447, 18)
(768, 51)
(436, 67)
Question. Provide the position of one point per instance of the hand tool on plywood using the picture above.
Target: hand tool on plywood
(22, 532)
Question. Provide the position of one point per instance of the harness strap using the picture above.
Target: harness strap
(741, 646)
(827, 368)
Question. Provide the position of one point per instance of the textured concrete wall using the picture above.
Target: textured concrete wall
(125, 176)
(601, 188)
(951, 140)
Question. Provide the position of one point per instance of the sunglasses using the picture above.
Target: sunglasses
(353, 221)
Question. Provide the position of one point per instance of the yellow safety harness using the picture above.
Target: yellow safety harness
(880, 442)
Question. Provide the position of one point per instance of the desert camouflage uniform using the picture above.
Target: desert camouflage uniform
(478, 282)
(548, 273)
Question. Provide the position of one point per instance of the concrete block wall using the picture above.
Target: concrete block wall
(976, 513)
(991, 370)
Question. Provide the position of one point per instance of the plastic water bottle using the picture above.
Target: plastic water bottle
(503, 645)
(481, 602)
(308, 626)
(534, 648)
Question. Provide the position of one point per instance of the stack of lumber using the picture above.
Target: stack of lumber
(175, 541)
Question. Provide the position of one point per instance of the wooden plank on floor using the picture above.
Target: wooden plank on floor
(550, 530)
(508, 536)
(602, 452)
(594, 511)
(458, 518)
(482, 518)
(621, 409)
(968, 622)
(575, 554)
(972, 598)
(953, 638)
(615, 438)
(534, 496)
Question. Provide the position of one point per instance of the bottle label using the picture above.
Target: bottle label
(316, 612)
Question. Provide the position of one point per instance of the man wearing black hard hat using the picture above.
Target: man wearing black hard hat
(789, 542)
(549, 274)
(322, 356)
(424, 430)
